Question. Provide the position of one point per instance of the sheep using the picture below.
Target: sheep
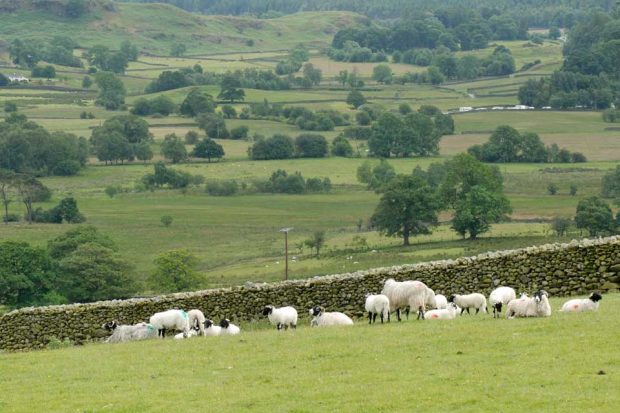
(212, 330)
(323, 319)
(441, 301)
(124, 333)
(192, 333)
(196, 320)
(377, 304)
(448, 313)
(283, 317)
(475, 300)
(536, 306)
(171, 319)
(228, 328)
(499, 297)
(408, 295)
(587, 304)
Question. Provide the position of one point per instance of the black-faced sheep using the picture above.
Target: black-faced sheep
(475, 300)
(587, 304)
(283, 317)
(324, 319)
(499, 297)
(535, 306)
(122, 333)
(176, 320)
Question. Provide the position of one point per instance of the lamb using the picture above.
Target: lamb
(192, 333)
(448, 313)
(475, 300)
(536, 306)
(228, 328)
(408, 295)
(578, 305)
(499, 297)
(124, 333)
(323, 319)
(212, 330)
(377, 304)
(283, 317)
(196, 320)
(441, 301)
(172, 319)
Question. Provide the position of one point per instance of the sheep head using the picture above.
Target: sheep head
(595, 297)
(267, 310)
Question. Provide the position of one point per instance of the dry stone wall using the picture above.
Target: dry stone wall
(561, 269)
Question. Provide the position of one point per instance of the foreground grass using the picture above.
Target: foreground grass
(469, 364)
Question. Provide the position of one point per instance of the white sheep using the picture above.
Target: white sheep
(536, 306)
(196, 320)
(441, 301)
(228, 328)
(377, 304)
(192, 333)
(177, 320)
(587, 304)
(212, 330)
(408, 295)
(324, 319)
(448, 313)
(467, 301)
(123, 333)
(499, 297)
(283, 317)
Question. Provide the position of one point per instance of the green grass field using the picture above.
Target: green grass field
(567, 362)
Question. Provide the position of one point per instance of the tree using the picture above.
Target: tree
(26, 275)
(375, 177)
(175, 271)
(595, 215)
(166, 220)
(277, 147)
(10, 107)
(610, 184)
(341, 147)
(48, 72)
(554, 32)
(408, 207)
(573, 190)
(213, 124)
(75, 8)
(477, 210)
(173, 148)
(197, 102)
(382, 74)
(240, 132)
(552, 188)
(229, 112)
(355, 99)
(342, 77)
(93, 272)
(230, 89)
(316, 242)
(208, 148)
(178, 50)
(312, 76)
(404, 109)
(161, 105)
(311, 146)
(87, 82)
(111, 91)
(30, 191)
(385, 133)
(65, 244)
(191, 137)
(7, 180)
(560, 225)
(129, 50)
(4, 81)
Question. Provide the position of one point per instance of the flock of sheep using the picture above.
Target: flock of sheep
(396, 296)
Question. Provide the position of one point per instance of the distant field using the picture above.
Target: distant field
(567, 362)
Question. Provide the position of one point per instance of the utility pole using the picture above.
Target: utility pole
(285, 230)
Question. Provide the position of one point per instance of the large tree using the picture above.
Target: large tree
(7, 180)
(175, 271)
(595, 215)
(208, 148)
(231, 89)
(477, 210)
(408, 207)
(111, 91)
(173, 148)
(30, 191)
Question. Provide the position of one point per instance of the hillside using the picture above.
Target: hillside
(155, 27)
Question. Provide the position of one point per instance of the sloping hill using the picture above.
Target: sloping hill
(155, 27)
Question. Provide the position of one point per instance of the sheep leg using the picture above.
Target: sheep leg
(369, 317)
(420, 313)
(462, 310)
(374, 317)
(407, 312)
(279, 326)
(382, 317)
(388, 316)
(468, 313)
(293, 326)
(477, 310)
(398, 314)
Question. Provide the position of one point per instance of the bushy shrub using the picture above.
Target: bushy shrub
(222, 188)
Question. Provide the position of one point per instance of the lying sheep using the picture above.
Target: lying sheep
(283, 317)
(192, 333)
(408, 295)
(123, 333)
(448, 313)
(196, 320)
(323, 319)
(228, 328)
(177, 320)
(377, 304)
(587, 304)
(536, 306)
(499, 297)
(467, 301)
(441, 301)
(212, 330)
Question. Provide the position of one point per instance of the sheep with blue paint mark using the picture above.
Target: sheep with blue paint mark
(123, 333)
(196, 320)
(176, 320)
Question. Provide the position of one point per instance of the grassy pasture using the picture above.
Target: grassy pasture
(567, 362)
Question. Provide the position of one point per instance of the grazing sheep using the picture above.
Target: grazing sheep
(196, 320)
(192, 333)
(408, 295)
(123, 333)
(441, 301)
(536, 306)
(448, 313)
(172, 319)
(212, 330)
(499, 297)
(323, 319)
(283, 317)
(475, 300)
(587, 304)
(228, 328)
(377, 304)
